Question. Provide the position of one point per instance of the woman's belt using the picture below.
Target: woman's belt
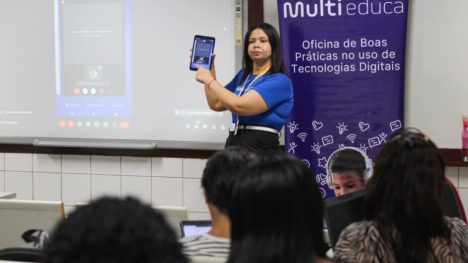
(257, 128)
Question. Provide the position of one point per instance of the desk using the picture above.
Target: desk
(7, 195)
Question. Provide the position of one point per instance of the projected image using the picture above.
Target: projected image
(93, 58)
(81, 123)
(87, 71)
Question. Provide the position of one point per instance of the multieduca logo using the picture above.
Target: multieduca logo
(322, 8)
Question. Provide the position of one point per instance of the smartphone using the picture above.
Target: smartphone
(202, 52)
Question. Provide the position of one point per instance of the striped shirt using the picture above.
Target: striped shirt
(361, 242)
(206, 245)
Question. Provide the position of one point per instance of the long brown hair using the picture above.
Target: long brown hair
(404, 196)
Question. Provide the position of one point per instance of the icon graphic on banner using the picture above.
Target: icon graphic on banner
(351, 137)
(341, 146)
(364, 126)
(306, 162)
(342, 128)
(322, 162)
(363, 148)
(293, 126)
(383, 136)
(316, 147)
(292, 147)
(302, 136)
(374, 141)
(317, 125)
(395, 125)
(321, 179)
(322, 192)
(327, 140)
(317, 178)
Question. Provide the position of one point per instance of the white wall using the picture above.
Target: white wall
(437, 61)
(80, 178)
(270, 12)
(158, 181)
(437, 86)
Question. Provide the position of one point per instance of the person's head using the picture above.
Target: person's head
(404, 194)
(220, 172)
(347, 171)
(276, 213)
(262, 41)
(114, 230)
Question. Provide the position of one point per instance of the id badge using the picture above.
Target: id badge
(233, 127)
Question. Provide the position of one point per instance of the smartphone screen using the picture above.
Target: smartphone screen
(93, 60)
(202, 50)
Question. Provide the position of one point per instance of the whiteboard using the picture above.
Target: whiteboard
(112, 73)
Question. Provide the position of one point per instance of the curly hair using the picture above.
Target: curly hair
(114, 230)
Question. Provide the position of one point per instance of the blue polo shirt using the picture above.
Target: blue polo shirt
(277, 92)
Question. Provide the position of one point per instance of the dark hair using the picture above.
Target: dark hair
(220, 172)
(276, 213)
(346, 160)
(404, 196)
(277, 65)
(114, 230)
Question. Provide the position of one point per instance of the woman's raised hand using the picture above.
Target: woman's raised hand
(203, 75)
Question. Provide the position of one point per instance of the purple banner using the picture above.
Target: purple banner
(346, 61)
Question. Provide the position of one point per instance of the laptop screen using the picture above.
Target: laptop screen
(342, 211)
(194, 227)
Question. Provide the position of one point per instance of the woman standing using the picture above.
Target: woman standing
(260, 97)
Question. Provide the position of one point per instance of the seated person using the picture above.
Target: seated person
(114, 230)
(347, 170)
(402, 209)
(218, 177)
(276, 213)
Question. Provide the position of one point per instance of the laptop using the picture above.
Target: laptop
(194, 227)
(341, 211)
